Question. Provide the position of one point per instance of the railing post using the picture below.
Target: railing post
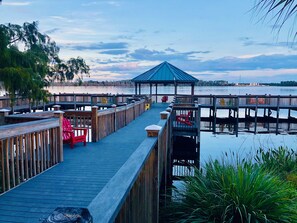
(114, 106)
(3, 113)
(94, 124)
(57, 107)
(164, 114)
(74, 100)
(59, 115)
(153, 131)
(125, 104)
(134, 116)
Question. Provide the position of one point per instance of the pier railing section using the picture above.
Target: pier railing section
(27, 149)
(67, 101)
(240, 100)
(101, 123)
(247, 113)
(132, 195)
(186, 139)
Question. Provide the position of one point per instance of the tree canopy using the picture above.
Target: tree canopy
(29, 61)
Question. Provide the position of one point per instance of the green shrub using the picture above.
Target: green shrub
(240, 193)
(281, 161)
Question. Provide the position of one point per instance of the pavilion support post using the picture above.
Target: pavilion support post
(139, 89)
(135, 88)
(151, 90)
(175, 89)
(156, 92)
(192, 89)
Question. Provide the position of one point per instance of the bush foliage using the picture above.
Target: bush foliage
(244, 192)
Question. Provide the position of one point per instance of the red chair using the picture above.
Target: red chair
(73, 135)
(184, 118)
(164, 99)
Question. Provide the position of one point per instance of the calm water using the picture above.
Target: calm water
(212, 145)
(181, 90)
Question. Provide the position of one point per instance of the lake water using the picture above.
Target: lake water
(181, 90)
(211, 145)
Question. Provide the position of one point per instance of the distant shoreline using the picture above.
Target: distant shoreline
(219, 83)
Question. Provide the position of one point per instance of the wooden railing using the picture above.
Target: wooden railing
(239, 100)
(34, 144)
(132, 195)
(27, 149)
(109, 120)
(101, 123)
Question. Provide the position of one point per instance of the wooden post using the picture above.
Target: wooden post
(57, 107)
(134, 116)
(74, 100)
(214, 114)
(156, 93)
(289, 111)
(175, 89)
(169, 110)
(94, 124)
(151, 90)
(3, 113)
(192, 89)
(59, 115)
(114, 106)
(277, 115)
(237, 115)
(135, 88)
(198, 124)
(139, 88)
(164, 114)
(153, 131)
(125, 104)
(256, 115)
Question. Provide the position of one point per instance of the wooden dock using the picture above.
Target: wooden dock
(80, 178)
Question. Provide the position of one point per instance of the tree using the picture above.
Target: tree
(65, 71)
(280, 10)
(29, 61)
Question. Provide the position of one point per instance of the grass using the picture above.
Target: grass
(243, 192)
(281, 161)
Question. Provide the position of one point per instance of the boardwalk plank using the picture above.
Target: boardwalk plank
(79, 179)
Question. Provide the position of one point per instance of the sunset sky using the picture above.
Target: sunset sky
(212, 40)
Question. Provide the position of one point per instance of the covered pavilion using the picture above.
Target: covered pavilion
(164, 74)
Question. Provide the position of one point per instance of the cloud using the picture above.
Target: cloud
(140, 31)
(92, 3)
(247, 41)
(168, 54)
(99, 46)
(16, 3)
(276, 61)
(51, 31)
(114, 52)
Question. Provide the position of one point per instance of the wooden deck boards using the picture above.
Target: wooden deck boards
(82, 175)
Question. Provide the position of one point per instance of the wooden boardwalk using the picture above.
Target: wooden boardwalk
(83, 174)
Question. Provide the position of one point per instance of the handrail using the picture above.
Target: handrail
(27, 149)
(8, 131)
(135, 185)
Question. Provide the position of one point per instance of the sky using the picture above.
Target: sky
(120, 39)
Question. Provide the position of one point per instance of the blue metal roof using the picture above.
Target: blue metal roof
(165, 73)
